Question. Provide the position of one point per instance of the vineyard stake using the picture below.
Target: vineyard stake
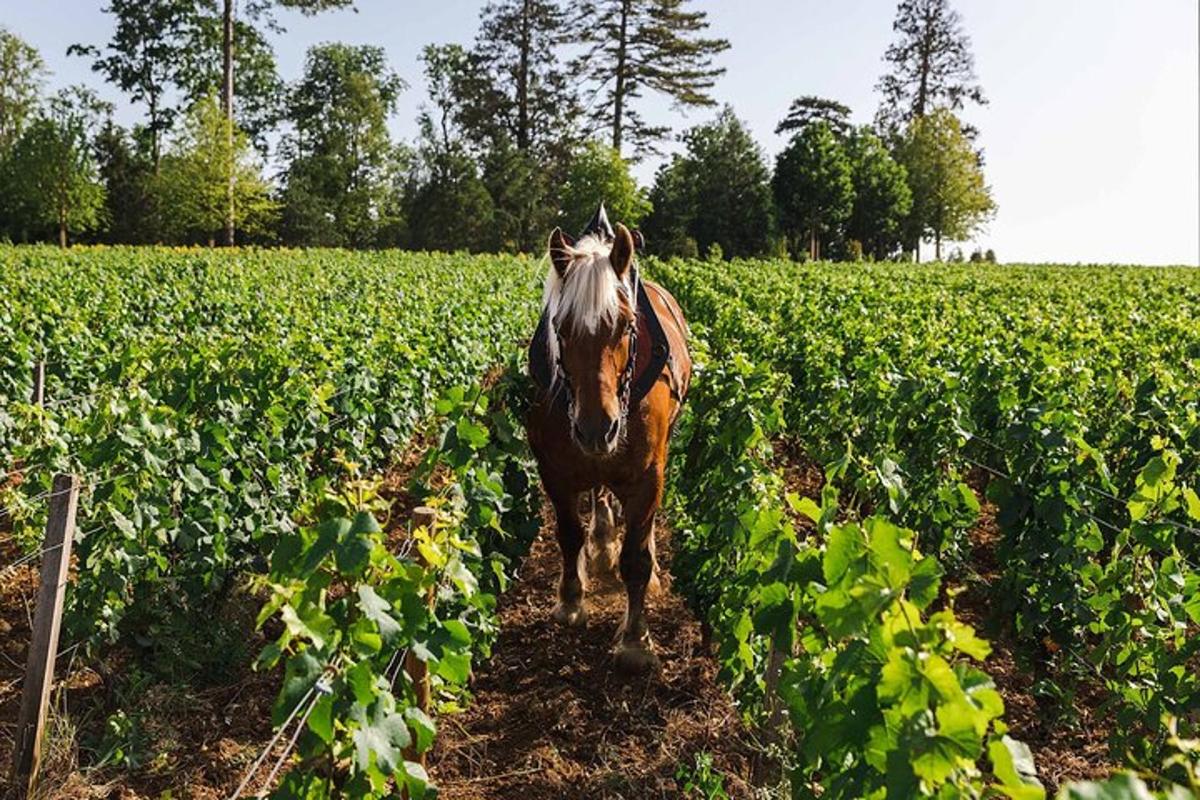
(39, 383)
(418, 670)
(765, 764)
(43, 643)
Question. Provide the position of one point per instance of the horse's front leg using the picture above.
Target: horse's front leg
(635, 651)
(570, 532)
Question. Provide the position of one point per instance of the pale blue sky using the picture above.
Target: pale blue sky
(1092, 135)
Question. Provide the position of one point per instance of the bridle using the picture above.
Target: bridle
(625, 385)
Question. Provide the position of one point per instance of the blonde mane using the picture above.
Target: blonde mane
(588, 294)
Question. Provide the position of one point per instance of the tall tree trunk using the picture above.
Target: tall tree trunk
(154, 131)
(937, 246)
(619, 89)
(917, 251)
(227, 108)
(523, 137)
(922, 97)
(814, 250)
(62, 233)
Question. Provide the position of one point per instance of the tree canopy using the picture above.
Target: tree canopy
(341, 158)
(635, 45)
(194, 175)
(717, 193)
(931, 65)
(950, 198)
(813, 186)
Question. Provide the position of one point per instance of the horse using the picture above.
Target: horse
(612, 369)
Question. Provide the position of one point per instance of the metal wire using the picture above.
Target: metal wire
(266, 750)
(322, 690)
(25, 559)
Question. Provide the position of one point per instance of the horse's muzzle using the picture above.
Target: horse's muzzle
(598, 435)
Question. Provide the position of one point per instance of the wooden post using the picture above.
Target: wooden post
(766, 765)
(43, 644)
(39, 384)
(418, 670)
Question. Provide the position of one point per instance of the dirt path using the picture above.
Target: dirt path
(550, 718)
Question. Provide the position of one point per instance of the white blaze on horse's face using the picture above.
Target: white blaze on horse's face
(589, 300)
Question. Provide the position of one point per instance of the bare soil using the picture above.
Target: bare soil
(1068, 744)
(551, 719)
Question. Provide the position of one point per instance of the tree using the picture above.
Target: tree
(634, 45)
(244, 44)
(813, 187)
(341, 164)
(672, 202)
(718, 192)
(950, 199)
(530, 93)
(21, 75)
(932, 65)
(192, 183)
(882, 199)
(515, 104)
(146, 57)
(126, 172)
(51, 172)
(448, 207)
(809, 109)
(598, 173)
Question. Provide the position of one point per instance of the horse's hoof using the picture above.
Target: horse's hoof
(635, 658)
(573, 616)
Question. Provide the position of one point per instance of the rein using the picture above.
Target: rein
(625, 386)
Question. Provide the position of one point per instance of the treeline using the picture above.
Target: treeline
(523, 129)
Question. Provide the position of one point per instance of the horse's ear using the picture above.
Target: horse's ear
(639, 241)
(560, 251)
(623, 247)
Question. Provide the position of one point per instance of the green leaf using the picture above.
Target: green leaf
(1193, 502)
(475, 435)
(376, 609)
(1122, 786)
(310, 622)
(381, 733)
(361, 680)
(329, 533)
(416, 780)
(423, 727)
(301, 674)
(925, 581)
(454, 667)
(1012, 763)
(365, 523)
(843, 546)
(320, 721)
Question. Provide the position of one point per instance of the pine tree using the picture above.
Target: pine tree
(523, 93)
(634, 45)
(932, 65)
(806, 110)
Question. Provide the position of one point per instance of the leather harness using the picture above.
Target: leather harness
(642, 370)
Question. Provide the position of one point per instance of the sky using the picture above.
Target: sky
(1092, 133)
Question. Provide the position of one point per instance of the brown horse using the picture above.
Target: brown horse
(612, 362)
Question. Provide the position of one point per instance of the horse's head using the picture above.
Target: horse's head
(590, 301)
